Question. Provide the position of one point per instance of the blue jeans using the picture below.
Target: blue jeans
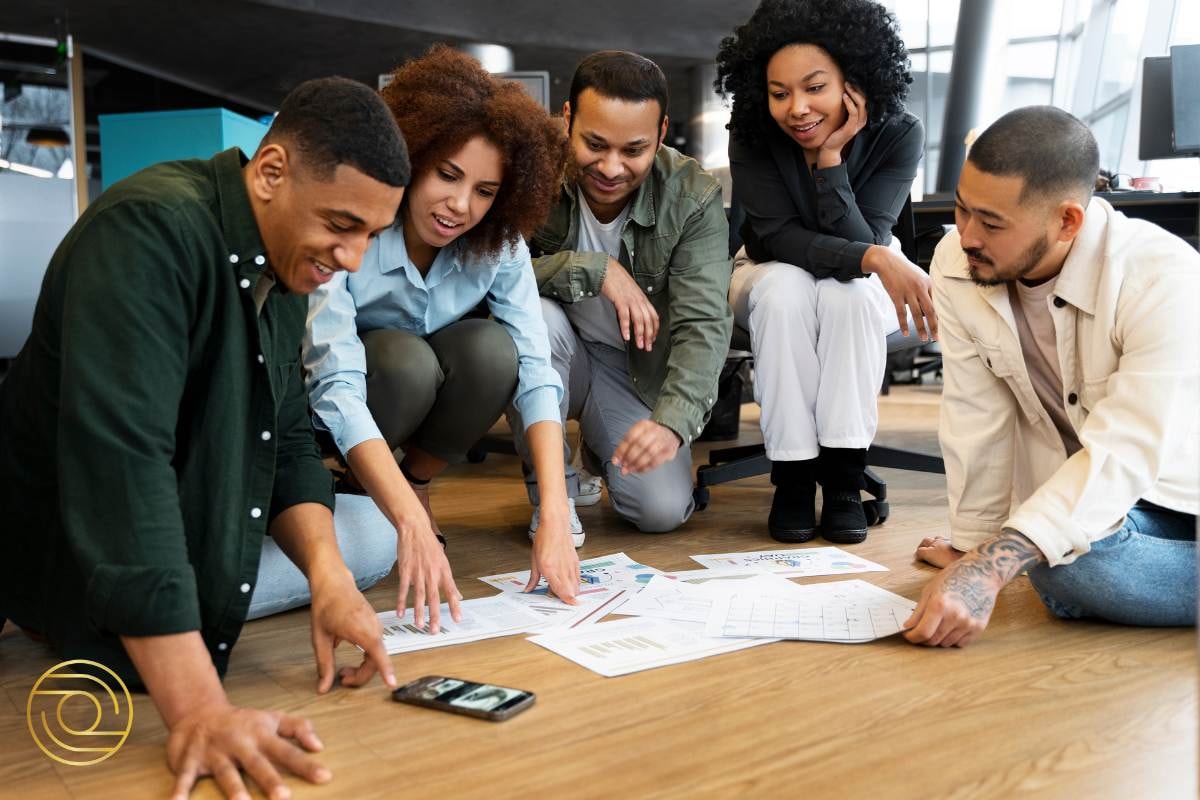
(1144, 574)
(368, 545)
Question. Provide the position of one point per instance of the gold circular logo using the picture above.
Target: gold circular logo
(67, 708)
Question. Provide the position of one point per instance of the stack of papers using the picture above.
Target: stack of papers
(740, 600)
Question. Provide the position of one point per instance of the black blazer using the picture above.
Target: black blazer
(824, 220)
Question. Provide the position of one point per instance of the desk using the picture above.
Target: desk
(1177, 212)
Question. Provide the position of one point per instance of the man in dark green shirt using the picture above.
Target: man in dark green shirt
(155, 425)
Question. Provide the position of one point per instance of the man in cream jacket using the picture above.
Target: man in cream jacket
(1071, 343)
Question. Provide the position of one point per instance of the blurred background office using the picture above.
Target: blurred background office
(84, 85)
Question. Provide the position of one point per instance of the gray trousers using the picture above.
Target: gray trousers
(443, 392)
(599, 394)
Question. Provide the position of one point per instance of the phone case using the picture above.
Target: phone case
(498, 715)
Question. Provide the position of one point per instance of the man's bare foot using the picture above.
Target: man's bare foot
(422, 493)
(938, 551)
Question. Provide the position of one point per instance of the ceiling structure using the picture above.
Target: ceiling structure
(251, 52)
(245, 55)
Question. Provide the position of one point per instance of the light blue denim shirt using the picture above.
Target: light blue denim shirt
(389, 292)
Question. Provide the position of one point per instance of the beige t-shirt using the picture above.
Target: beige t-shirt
(1035, 328)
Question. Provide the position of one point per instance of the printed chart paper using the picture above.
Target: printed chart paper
(617, 570)
(668, 598)
(485, 618)
(850, 612)
(634, 644)
(591, 605)
(800, 563)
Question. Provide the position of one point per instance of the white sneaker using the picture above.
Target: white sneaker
(589, 488)
(576, 526)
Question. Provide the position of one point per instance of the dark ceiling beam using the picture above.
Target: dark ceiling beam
(690, 30)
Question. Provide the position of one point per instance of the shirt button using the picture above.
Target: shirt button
(266, 436)
(1059, 302)
(233, 258)
(222, 647)
(261, 360)
(260, 260)
(245, 587)
(1072, 398)
(256, 512)
(649, 288)
(244, 283)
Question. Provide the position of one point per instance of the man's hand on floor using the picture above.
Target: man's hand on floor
(956, 605)
(222, 740)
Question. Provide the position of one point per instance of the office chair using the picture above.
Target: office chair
(735, 463)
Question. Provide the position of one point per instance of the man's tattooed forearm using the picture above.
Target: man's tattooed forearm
(978, 576)
(1008, 554)
(973, 585)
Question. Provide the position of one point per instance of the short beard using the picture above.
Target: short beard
(1026, 264)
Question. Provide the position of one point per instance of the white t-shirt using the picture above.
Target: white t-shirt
(595, 318)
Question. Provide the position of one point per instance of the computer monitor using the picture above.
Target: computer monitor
(535, 83)
(1170, 124)
(1185, 98)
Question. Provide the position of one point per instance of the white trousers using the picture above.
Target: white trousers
(819, 354)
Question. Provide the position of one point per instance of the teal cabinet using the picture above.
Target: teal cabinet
(130, 142)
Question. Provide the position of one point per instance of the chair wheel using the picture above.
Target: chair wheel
(877, 511)
(700, 497)
(476, 456)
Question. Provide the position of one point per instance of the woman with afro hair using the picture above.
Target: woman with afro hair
(400, 356)
(823, 156)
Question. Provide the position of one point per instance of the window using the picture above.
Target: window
(1082, 55)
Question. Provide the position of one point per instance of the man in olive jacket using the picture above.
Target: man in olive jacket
(633, 267)
(155, 427)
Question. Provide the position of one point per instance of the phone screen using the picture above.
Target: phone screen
(465, 696)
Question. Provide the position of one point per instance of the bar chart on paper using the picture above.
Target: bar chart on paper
(637, 643)
(634, 644)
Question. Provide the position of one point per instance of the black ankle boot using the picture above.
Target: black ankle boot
(840, 471)
(793, 517)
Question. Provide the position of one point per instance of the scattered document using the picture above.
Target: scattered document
(637, 643)
(699, 577)
(800, 563)
(666, 597)
(617, 570)
(591, 605)
(849, 612)
(485, 618)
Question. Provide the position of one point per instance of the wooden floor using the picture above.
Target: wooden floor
(1036, 708)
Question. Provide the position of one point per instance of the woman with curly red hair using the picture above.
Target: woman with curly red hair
(398, 355)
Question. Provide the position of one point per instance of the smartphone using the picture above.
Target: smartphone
(483, 700)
